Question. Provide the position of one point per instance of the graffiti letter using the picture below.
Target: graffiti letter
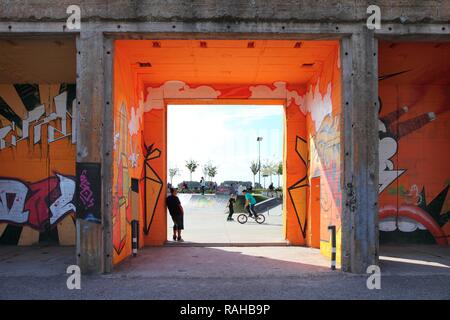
(374, 280)
(3, 133)
(61, 113)
(15, 213)
(374, 20)
(64, 203)
(74, 20)
(74, 280)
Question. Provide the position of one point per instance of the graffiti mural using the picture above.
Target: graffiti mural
(37, 153)
(25, 203)
(153, 186)
(122, 183)
(312, 107)
(413, 143)
(298, 191)
(127, 158)
(37, 116)
(89, 191)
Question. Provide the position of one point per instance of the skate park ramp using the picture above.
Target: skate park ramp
(205, 223)
(204, 203)
(217, 202)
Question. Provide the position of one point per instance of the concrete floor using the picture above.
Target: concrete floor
(171, 272)
(205, 223)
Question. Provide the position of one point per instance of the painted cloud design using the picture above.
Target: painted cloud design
(176, 90)
(319, 106)
(280, 92)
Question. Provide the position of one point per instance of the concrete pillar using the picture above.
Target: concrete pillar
(360, 140)
(90, 99)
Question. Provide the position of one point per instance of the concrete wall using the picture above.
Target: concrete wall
(344, 20)
(287, 11)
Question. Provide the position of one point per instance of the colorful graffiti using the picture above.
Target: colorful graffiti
(89, 191)
(413, 131)
(36, 204)
(122, 183)
(312, 104)
(37, 152)
(127, 158)
(37, 116)
(153, 186)
(298, 191)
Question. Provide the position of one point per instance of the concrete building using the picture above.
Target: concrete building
(83, 131)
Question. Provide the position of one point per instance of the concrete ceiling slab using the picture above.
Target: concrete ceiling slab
(37, 61)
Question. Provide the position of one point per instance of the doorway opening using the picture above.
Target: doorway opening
(227, 149)
(151, 76)
(37, 141)
(414, 90)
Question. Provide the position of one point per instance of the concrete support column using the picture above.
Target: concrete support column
(90, 99)
(360, 140)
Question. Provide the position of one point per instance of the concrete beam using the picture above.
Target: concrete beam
(411, 11)
(107, 158)
(90, 94)
(360, 142)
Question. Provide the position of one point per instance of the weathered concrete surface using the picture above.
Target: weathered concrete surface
(225, 273)
(91, 110)
(228, 11)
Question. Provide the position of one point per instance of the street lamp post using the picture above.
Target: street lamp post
(259, 139)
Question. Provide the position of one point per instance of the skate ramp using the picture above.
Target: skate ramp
(268, 204)
(206, 203)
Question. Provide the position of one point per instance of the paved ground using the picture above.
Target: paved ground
(421, 272)
(205, 222)
(210, 265)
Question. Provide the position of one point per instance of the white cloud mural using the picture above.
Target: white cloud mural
(279, 92)
(176, 90)
(319, 106)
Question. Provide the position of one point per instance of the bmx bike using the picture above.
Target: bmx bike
(243, 218)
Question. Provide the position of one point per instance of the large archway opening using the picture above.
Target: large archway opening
(303, 76)
(229, 148)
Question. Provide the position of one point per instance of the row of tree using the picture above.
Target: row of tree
(208, 169)
(268, 169)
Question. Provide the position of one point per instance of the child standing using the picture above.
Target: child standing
(230, 206)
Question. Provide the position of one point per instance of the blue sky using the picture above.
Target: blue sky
(225, 136)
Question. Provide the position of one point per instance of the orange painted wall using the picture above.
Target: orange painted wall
(155, 136)
(37, 168)
(299, 129)
(323, 122)
(414, 92)
(128, 156)
(157, 95)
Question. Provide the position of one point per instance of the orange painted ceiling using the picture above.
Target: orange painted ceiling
(225, 61)
(414, 63)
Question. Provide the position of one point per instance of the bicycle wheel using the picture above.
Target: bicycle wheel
(260, 218)
(242, 218)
